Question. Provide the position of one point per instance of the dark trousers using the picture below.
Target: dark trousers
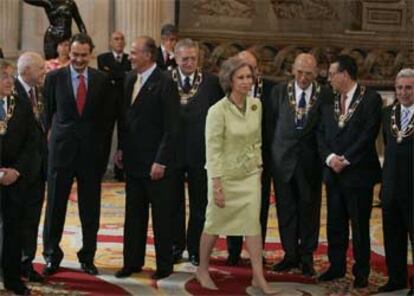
(140, 193)
(234, 243)
(197, 193)
(31, 217)
(349, 204)
(298, 212)
(12, 209)
(397, 217)
(89, 202)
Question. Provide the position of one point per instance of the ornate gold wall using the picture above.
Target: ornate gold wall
(378, 33)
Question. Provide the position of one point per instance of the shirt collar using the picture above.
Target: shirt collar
(183, 76)
(350, 94)
(147, 73)
(165, 52)
(74, 74)
(298, 92)
(410, 109)
(117, 54)
(26, 86)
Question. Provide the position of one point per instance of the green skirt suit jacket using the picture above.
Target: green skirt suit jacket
(233, 153)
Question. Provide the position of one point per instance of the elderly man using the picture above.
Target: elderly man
(31, 72)
(292, 119)
(147, 141)
(348, 128)
(397, 184)
(261, 89)
(165, 53)
(75, 98)
(116, 64)
(17, 142)
(198, 91)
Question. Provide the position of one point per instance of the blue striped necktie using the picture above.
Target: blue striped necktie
(405, 118)
(2, 111)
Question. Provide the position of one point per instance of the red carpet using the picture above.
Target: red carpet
(230, 280)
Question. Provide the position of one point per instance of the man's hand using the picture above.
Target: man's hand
(157, 171)
(118, 159)
(338, 163)
(10, 176)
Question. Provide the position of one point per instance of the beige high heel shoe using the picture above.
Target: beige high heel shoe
(269, 291)
(205, 283)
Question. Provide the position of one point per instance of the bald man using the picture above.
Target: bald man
(116, 64)
(297, 169)
(261, 89)
(31, 74)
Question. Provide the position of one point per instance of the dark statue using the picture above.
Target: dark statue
(60, 14)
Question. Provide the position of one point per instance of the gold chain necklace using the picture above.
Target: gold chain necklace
(9, 114)
(300, 112)
(184, 97)
(396, 132)
(344, 118)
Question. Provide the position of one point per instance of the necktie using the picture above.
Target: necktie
(187, 84)
(343, 104)
(81, 94)
(2, 111)
(137, 87)
(119, 58)
(405, 119)
(300, 120)
(32, 96)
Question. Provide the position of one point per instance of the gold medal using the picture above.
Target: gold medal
(399, 137)
(341, 122)
(3, 128)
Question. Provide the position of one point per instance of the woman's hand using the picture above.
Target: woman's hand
(218, 193)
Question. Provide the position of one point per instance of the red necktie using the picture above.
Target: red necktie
(81, 94)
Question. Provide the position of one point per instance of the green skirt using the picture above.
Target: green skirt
(241, 213)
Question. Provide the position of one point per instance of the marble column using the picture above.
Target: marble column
(9, 27)
(135, 18)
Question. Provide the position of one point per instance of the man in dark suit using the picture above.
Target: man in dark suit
(31, 72)
(397, 184)
(292, 120)
(116, 64)
(346, 137)
(261, 89)
(17, 139)
(198, 91)
(75, 101)
(147, 141)
(165, 53)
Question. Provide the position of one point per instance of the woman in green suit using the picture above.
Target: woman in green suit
(233, 152)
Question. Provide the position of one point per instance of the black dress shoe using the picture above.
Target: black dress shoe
(89, 268)
(125, 272)
(308, 270)
(330, 275)
(160, 274)
(178, 257)
(50, 268)
(34, 276)
(285, 265)
(360, 282)
(18, 289)
(233, 260)
(390, 287)
(194, 259)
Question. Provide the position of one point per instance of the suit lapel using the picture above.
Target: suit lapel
(69, 87)
(90, 93)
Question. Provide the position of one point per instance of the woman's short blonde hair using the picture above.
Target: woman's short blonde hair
(227, 70)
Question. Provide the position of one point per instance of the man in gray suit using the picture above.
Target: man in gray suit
(291, 120)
